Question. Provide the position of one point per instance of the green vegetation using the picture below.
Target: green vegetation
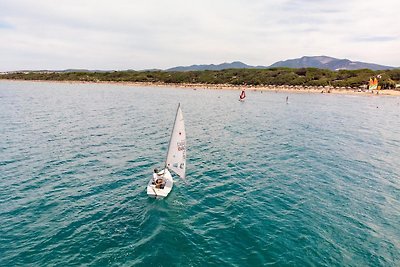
(273, 76)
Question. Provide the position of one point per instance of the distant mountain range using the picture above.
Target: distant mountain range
(331, 63)
(233, 65)
(321, 62)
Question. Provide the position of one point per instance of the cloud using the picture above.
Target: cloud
(123, 34)
(376, 38)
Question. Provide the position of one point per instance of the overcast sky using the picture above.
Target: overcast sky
(133, 34)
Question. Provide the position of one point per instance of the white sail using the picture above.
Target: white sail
(176, 156)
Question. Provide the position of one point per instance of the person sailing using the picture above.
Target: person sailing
(158, 178)
(242, 95)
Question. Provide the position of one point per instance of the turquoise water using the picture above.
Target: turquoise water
(314, 182)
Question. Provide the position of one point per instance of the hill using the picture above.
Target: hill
(320, 62)
(223, 66)
(330, 63)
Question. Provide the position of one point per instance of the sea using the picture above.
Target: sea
(311, 182)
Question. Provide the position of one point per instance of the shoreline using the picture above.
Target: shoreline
(270, 88)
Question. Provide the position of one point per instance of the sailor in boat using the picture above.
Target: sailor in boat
(158, 179)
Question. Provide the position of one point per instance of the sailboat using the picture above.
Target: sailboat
(161, 183)
(242, 95)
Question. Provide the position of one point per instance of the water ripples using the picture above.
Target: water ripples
(311, 183)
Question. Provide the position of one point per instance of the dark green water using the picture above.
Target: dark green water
(312, 183)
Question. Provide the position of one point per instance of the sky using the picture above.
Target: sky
(136, 34)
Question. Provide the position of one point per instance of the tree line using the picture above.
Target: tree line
(257, 77)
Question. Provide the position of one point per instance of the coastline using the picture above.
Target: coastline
(195, 86)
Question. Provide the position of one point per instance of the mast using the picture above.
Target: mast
(170, 138)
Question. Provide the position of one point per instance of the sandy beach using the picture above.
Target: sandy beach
(271, 88)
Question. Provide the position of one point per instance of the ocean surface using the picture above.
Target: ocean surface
(315, 182)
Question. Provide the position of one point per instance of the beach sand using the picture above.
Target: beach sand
(281, 89)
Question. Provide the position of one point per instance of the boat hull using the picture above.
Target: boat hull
(154, 192)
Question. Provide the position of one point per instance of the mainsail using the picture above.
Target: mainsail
(176, 155)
